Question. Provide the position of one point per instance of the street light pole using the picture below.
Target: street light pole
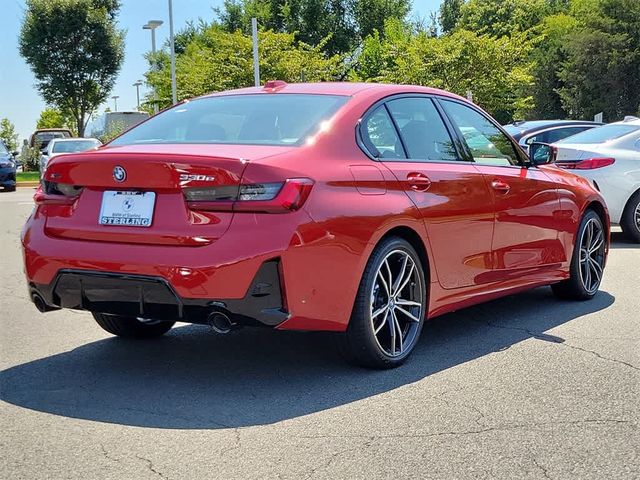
(137, 85)
(174, 92)
(115, 102)
(152, 25)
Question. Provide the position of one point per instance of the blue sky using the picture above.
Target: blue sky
(20, 101)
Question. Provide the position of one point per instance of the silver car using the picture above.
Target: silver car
(62, 146)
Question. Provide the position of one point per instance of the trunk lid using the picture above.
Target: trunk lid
(164, 170)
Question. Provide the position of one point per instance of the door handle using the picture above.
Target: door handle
(500, 186)
(418, 182)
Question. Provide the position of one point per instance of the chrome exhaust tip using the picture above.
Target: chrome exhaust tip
(220, 323)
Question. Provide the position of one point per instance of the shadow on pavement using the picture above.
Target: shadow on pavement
(194, 379)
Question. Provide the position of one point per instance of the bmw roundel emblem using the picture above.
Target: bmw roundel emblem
(119, 174)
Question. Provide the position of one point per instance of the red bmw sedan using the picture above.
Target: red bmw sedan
(356, 208)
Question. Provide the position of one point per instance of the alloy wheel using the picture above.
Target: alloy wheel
(637, 216)
(592, 246)
(397, 303)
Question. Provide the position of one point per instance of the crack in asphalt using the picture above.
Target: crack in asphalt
(107, 455)
(335, 455)
(557, 340)
(236, 444)
(540, 467)
(629, 423)
(150, 466)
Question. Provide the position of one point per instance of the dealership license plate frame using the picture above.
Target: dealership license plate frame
(126, 208)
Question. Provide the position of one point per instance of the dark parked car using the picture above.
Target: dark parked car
(546, 131)
(7, 168)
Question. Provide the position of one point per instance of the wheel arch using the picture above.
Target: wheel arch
(410, 235)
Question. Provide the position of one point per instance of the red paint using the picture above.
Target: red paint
(487, 231)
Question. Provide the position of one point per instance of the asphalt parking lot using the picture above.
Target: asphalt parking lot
(522, 387)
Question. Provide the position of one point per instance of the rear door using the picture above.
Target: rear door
(410, 138)
(526, 200)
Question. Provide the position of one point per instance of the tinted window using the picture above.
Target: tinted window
(263, 119)
(601, 134)
(552, 136)
(488, 145)
(422, 129)
(380, 135)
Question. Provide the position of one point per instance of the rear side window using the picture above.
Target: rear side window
(262, 119)
(381, 137)
(422, 129)
(487, 143)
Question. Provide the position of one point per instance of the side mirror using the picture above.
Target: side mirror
(541, 153)
(15, 153)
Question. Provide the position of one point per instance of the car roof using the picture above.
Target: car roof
(334, 88)
(535, 124)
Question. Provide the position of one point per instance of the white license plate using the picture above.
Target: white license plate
(131, 209)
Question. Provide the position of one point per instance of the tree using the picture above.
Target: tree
(549, 55)
(75, 52)
(8, 134)
(449, 14)
(496, 70)
(51, 118)
(600, 73)
(340, 25)
(216, 60)
(502, 17)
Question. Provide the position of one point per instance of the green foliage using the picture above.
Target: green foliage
(549, 55)
(339, 24)
(602, 65)
(217, 60)
(75, 52)
(53, 118)
(8, 134)
(492, 68)
(30, 157)
(502, 17)
(449, 14)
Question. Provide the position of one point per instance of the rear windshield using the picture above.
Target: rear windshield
(601, 134)
(76, 146)
(262, 119)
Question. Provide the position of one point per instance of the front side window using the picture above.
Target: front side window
(260, 119)
(380, 136)
(422, 129)
(488, 145)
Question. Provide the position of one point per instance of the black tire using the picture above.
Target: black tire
(629, 221)
(574, 287)
(131, 327)
(359, 344)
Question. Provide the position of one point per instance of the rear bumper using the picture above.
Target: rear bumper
(154, 298)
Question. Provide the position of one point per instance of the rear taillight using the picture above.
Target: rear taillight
(278, 197)
(51, 193)
(588, 164)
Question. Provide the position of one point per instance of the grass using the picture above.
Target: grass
(28, 176)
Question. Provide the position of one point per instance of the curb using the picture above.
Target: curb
(27, 184)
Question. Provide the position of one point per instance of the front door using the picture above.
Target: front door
(526, 200)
